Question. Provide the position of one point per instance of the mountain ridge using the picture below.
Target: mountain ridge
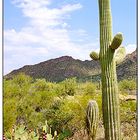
(58, 69)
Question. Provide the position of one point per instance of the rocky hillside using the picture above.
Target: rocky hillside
(65, 67)
(128, 68)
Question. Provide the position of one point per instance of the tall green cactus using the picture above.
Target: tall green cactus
(92, 118)
(108, 60)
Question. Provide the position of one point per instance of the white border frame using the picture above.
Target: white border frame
(1, 73)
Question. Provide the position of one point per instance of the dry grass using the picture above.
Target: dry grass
(128, 132)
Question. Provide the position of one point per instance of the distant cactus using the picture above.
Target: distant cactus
(92, 118)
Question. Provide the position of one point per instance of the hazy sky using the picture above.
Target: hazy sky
(38, 30)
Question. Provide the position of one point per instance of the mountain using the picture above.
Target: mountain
(128, 68)
(65, 67)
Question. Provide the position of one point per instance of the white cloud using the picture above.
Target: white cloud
(46, 35)
(31, 3)
(41, 15)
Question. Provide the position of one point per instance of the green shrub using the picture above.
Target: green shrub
(90, 88)
(22, 80)
(9, 113)
(128, 111)
(40, 85)
(127, 85)
(62, 104)
(64, 134)
(69, 86)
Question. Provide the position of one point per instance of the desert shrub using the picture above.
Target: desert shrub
(43, 85)
(22, 80)
(60, 120)
(40, 85)
(128, 111)
(69, 86)
(24, 99)
(73, 106)
(59, 89)
(89, 88)
(15, 91)
(76, 106)
(64, 134)
(57, 103)
(18, 86)
(11, 90)
(127, 85)
(62, 104)
(9, 113)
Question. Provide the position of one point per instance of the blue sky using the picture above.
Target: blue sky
(38, 30)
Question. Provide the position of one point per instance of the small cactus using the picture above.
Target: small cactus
(92, 118)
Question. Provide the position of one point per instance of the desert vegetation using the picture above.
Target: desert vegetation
(31, 102)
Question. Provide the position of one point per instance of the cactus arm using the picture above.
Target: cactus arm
(94, 55)
(116, 42)
(120, 55)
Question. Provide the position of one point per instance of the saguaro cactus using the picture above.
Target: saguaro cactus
(92, 118)
(110, 96)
